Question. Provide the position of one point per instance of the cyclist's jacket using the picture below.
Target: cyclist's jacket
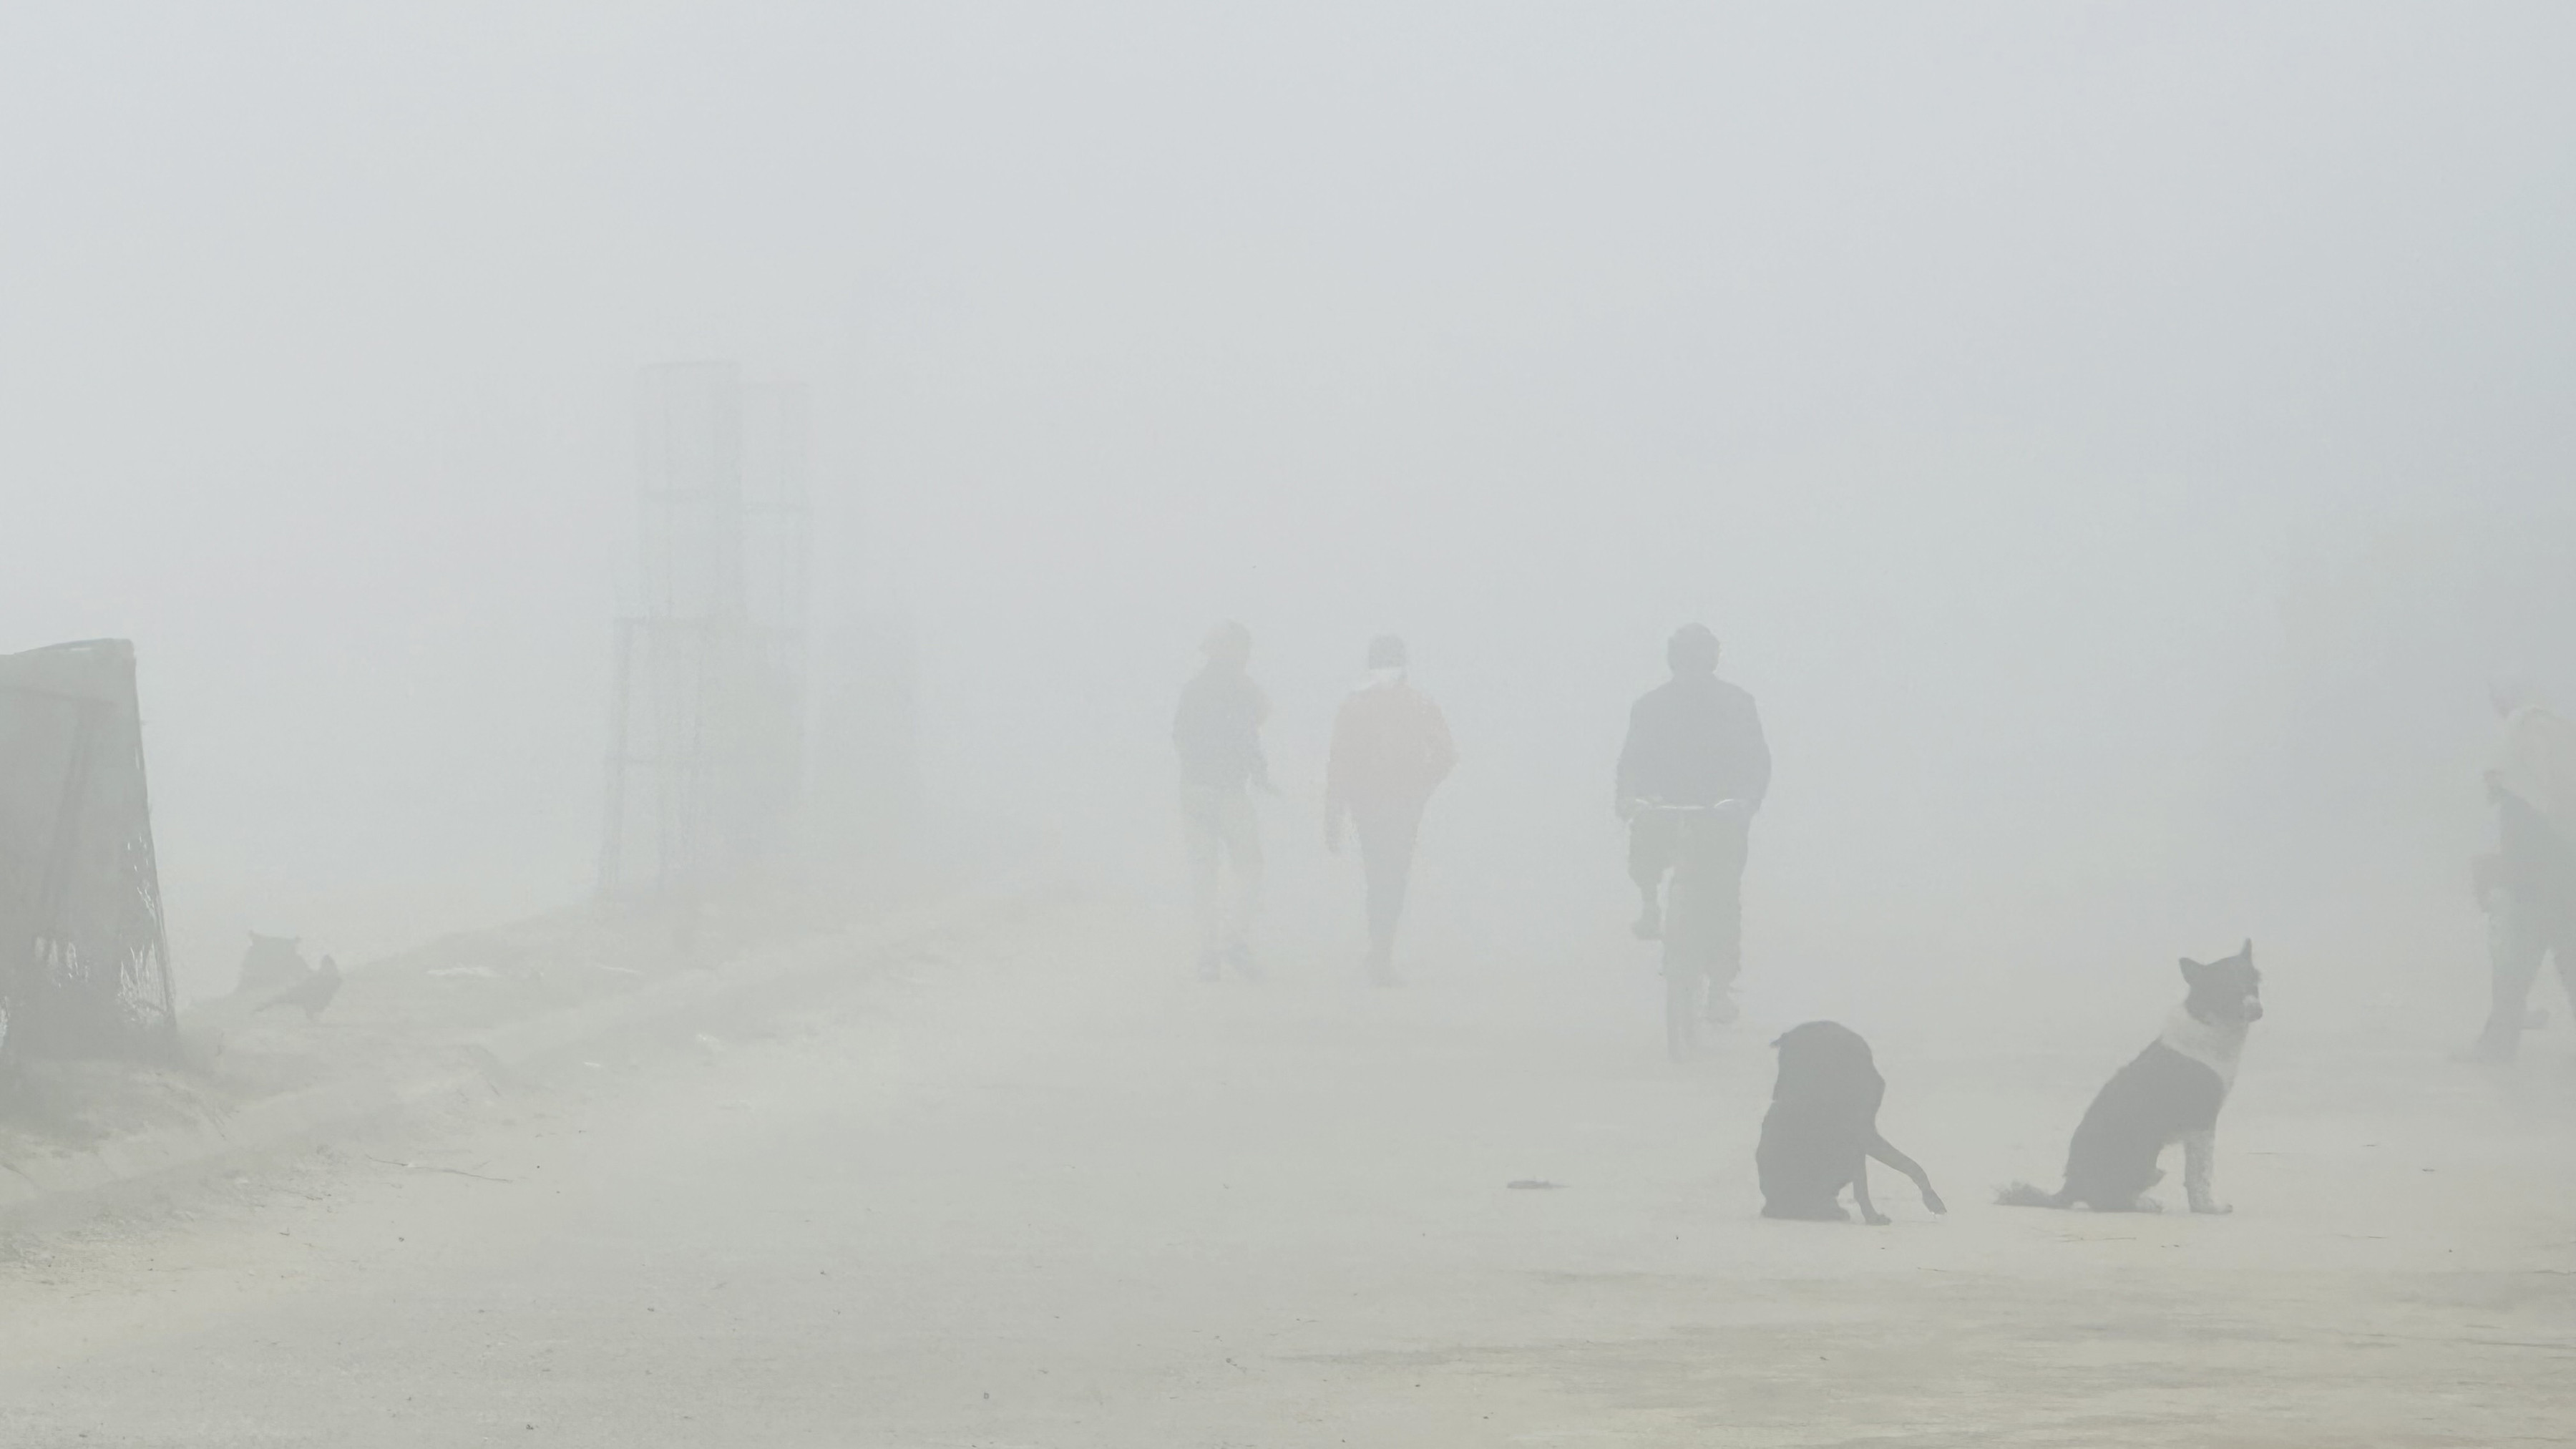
(2534, 786)
(1218, 730)
(1695, 741)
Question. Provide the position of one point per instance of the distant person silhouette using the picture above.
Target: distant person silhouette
(2528, 883)
(1391, 749)
(1217, 733)
(1695, 740)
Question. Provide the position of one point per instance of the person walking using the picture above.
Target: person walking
(1694, 741)
(1391, 749)
(1217, 733)
(2528, 883)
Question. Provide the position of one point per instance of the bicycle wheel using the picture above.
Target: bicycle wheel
(1681, 1012)
(1685, 950)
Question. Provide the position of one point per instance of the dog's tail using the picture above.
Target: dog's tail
(2022, 1194)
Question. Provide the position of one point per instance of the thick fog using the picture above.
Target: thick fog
(2115, 443)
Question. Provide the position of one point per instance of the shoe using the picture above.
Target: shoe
(1211, 966)
(1721, 1006)
(1650, 922)
(1239, 956)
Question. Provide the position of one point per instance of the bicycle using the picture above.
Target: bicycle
(1700, 909)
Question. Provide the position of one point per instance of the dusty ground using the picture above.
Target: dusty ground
(1052, 1193)
(405, 1014)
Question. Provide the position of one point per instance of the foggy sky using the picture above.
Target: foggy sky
(1990, 377)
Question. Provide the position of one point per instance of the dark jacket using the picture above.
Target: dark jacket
(1218, 730)
(2538, 865)
(1695, 741)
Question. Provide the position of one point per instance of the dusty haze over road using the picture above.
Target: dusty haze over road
(2116, 443)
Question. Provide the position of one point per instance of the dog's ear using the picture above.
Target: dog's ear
(2191, 970)
(2245, 953)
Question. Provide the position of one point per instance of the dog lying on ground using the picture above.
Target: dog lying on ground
(313, 993)
(2172, 1091)
(1822, 1129)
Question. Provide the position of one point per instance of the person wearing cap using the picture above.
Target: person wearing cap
(1695, 740)
(1217, 733)
(2528, 883)
(1391, 749)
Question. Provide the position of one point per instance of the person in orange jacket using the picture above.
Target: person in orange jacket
(1391, 749)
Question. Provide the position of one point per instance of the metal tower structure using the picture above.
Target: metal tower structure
(706, 738)
(84, 950)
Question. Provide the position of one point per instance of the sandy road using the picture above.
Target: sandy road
(1051, 1193)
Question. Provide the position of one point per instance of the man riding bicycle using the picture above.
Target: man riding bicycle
(1692, 773)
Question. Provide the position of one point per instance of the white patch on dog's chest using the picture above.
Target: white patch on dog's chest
(2211, 1044)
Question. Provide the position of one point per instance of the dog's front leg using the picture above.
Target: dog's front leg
(1885, 1151)
(1869, 1212)
(2199, 1157)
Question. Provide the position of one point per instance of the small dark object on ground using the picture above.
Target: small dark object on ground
(272, 964)
(1532, 1182)
(313, 993)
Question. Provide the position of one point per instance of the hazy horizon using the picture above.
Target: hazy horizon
(1997, 381)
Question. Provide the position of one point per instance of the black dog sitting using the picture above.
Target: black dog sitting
(1822, 1129)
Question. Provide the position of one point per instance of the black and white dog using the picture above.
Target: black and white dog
(2173, 1090)
(1822, 1129)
